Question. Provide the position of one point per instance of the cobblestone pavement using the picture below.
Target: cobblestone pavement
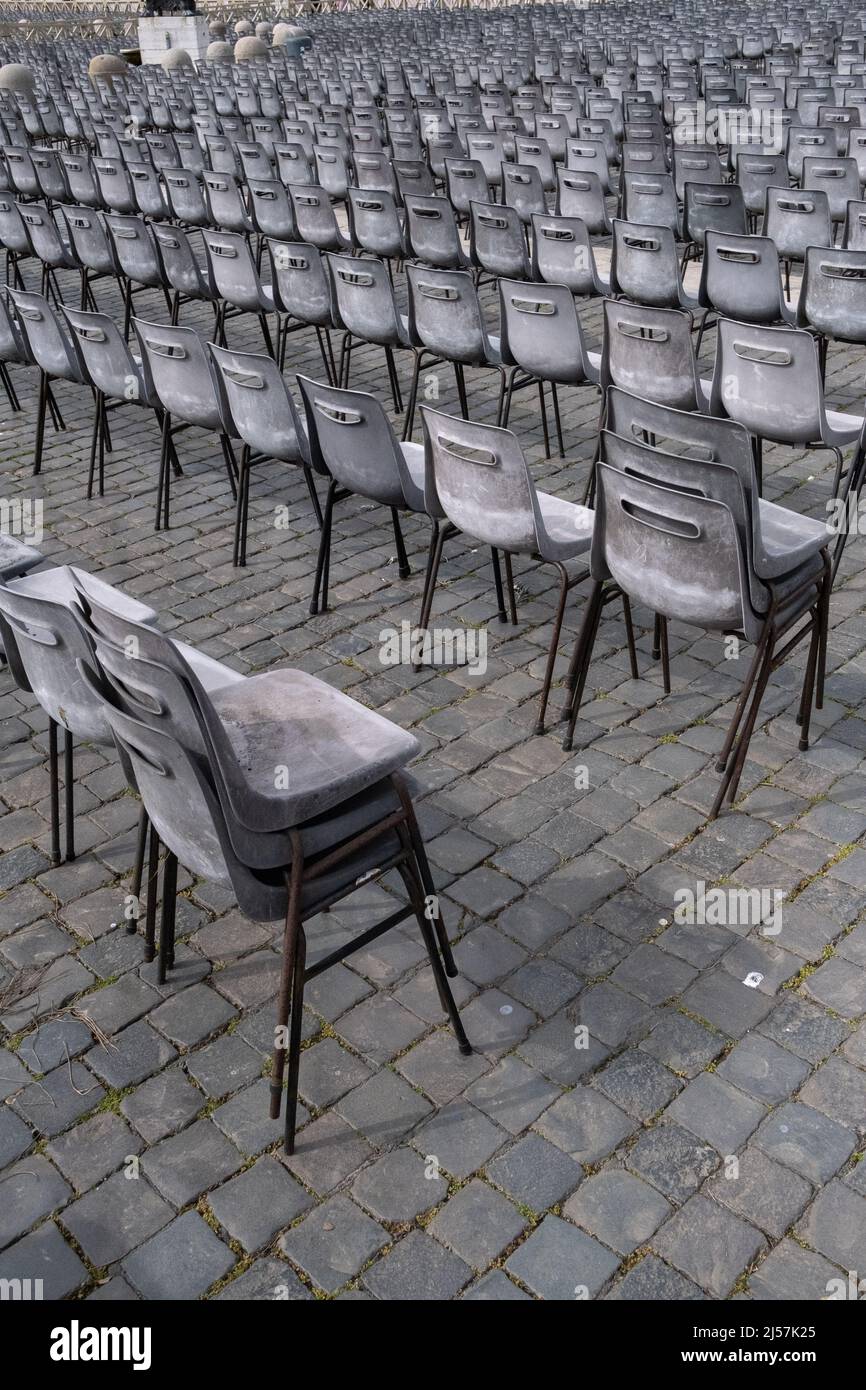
(636, 1121)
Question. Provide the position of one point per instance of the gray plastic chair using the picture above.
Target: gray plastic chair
(12, 351)
(351, 442)
(650, 352)
(650, 199)
(497, 241)
(115, 185)
(137, 260)
(14, 240)
(757, 171)
(301, 288)
(465, 183)
(115, 375)
(645, 267)
(178, 372)
(678, 549)
(225, 201)
(796, 221)
(562, 254)
(478, 478)
(542, 341)
(233, 274)
(186, 274)
(741, 278)
(185, 197)
(447, 325)
(86, 234)
(374, 223)
(523, 190)
(770, 380)
(366, 311)
(711, 207)
(580, 194)
(315, 219)
(54, 353)
(838, 178)
(184, 805)
(431, 233)
(42, 640)
(49, 246)
(264, 418)
(833, 296)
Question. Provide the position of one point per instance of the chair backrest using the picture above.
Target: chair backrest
(541, 332)
(466, 182)
(260, 404)
(479, 478)
(444, 314)
(48, 343)
(562, 253)
(488, 150)
(81, 179)
(741, 278)
(88, 238)
(644, 265)
(649, 352)
(225, 202)
(769, 379)
(350, 438)
(44, 640)
(795, 220)
(183, 191)
(181, 268)
(693, 165)
(44, 235)
(497, 243)
(590, 156)
(14, 236)
(833, 293)
(233, 270)
(314, 216)
(650, 199)
(109, 364)
(431, 232)
(300, 282)
(756, 172)
(178, 370)
(374, 222)
(364, 299)
(579, 194)
(115, 185)
(12, 345)
(148, 190)
(134, 249)
(676, 552)
(805, 141)
(838, 178)
(713, 207)
(51, 175)
(523, 190)
(22, 174)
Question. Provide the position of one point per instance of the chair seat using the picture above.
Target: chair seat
(16, 558)
(567, 527)
(334, 746)
(57, 584)
(787, 540)
(414, 456)
(841, 428)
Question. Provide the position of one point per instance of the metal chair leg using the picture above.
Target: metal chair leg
(68, 795)
(55, 791)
